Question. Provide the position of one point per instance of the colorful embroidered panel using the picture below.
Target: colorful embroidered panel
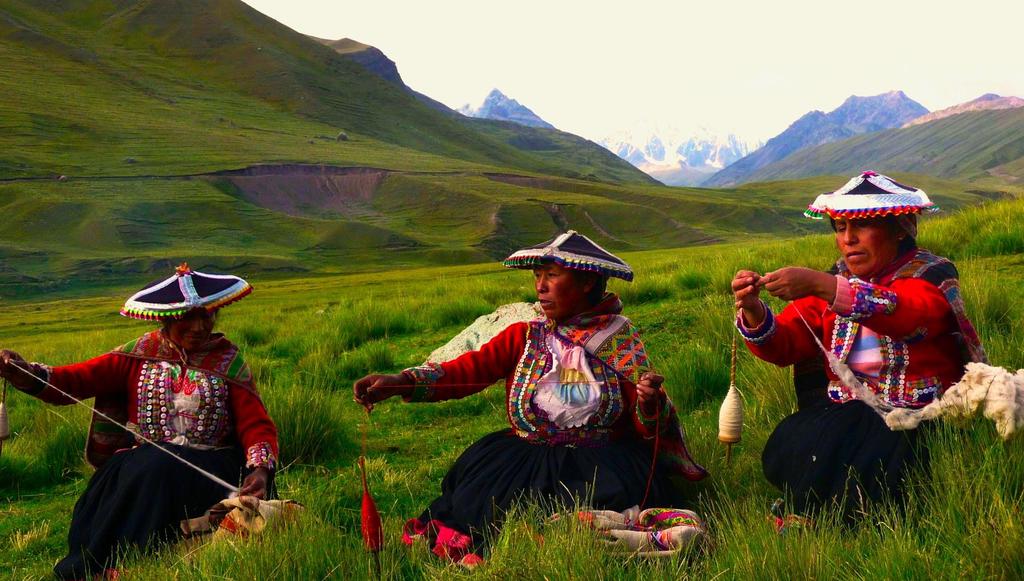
(523, 414)
(895, 355)
(188, 407)
(219, 356)
(260, 455)
(868, 300)
(923, 391)
(424, 376)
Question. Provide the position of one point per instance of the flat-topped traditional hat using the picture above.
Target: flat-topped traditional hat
(574, 251)
(185, 290)
(869, 195)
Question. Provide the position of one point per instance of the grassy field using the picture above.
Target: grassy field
(309, 337)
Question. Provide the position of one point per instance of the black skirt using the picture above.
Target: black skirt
(138, 498)
(841, 455)
(502, 469)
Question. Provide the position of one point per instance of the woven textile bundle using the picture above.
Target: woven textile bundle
(242, 516)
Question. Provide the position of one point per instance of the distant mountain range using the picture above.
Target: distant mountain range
(678, 158)
(499, 107)
(971, 145)
(666, 154)
(815, 144)
(986, 102)
(857, 115)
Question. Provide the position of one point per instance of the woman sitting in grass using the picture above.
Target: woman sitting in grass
(583, 406)
(183, 386)
(890, 311)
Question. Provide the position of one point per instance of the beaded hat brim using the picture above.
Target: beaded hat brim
(870, 195)
(574, 251)
(186, 290)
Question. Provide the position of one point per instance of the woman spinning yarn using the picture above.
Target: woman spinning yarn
(890, 311)
(584, 409)
(182, 386)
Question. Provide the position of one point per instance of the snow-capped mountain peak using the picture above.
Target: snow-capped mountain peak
(678, 157)
(500, 107)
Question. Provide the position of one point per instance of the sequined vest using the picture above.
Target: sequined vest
(182, 405)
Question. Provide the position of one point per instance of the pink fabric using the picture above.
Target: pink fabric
(451, 544)
(843, 303)
(751, 330)
(865, 357)
(574, 358)
(444, 541)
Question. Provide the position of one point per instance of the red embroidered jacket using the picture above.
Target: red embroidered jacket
(915, 309)
(194, 404)
(502, 358)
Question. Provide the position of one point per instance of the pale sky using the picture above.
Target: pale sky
(749, 67)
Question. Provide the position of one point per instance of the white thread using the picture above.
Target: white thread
(213, 477)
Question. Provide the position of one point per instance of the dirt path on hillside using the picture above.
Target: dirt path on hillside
(255, 170)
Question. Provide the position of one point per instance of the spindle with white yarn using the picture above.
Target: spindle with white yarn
(730, 415)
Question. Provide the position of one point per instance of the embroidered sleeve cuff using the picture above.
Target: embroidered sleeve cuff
(260, 455)
(762, 332)
(655, 422)
(863, 300)
(424, 376)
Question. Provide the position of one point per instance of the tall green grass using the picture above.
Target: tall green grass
(307, 339)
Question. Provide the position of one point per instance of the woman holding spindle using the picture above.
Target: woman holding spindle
(888, 311)
(585, 408)
(181, 386)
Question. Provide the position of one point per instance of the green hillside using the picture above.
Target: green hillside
(968, 146)
(83, 232)
(164, 86)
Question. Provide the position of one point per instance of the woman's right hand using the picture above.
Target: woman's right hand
(11, 365)
(374, 388)
(746, 291)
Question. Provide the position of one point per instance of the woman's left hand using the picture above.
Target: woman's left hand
(648, 393)
(794, 282)
(255, 484)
